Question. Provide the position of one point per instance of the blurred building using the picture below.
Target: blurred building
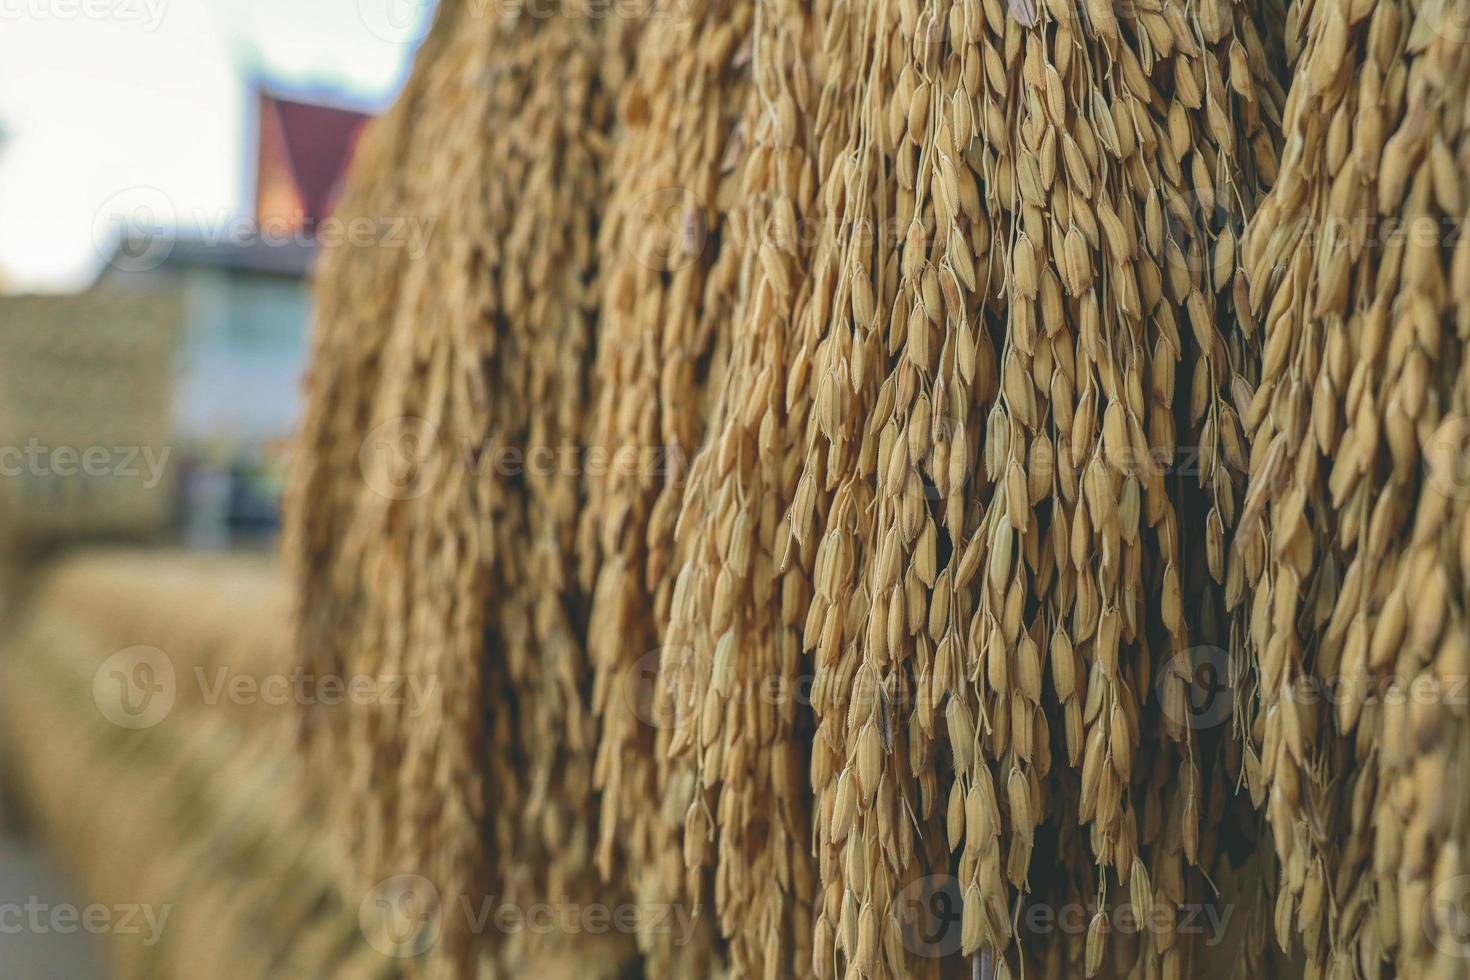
(192, 342)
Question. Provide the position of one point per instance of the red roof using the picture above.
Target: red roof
(304, 152)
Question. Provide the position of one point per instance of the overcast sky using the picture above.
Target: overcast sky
(106, 103)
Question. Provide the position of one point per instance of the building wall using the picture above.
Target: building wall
(244, 352)
(183, 382)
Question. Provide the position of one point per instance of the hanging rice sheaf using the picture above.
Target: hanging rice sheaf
(737, 747)
(905, 404)
(669, 260)
(439, 556)
(984, 394)
(1355, 537)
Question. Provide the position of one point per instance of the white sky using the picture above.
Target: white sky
(108, 102)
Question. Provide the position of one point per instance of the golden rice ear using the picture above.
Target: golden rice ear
(974, 351)
(1354, 504)
(442, 547)
(1074, 520)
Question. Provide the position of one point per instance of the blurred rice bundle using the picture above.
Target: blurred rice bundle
(500, 142)
(952, 353)
(80, 376)
(164, 795)
(1355, 537)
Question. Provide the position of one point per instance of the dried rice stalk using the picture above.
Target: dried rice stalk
(910, 288)
(960, 530)
(668, 266)
(425, 553)
(1354, 534)
(737, 750)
